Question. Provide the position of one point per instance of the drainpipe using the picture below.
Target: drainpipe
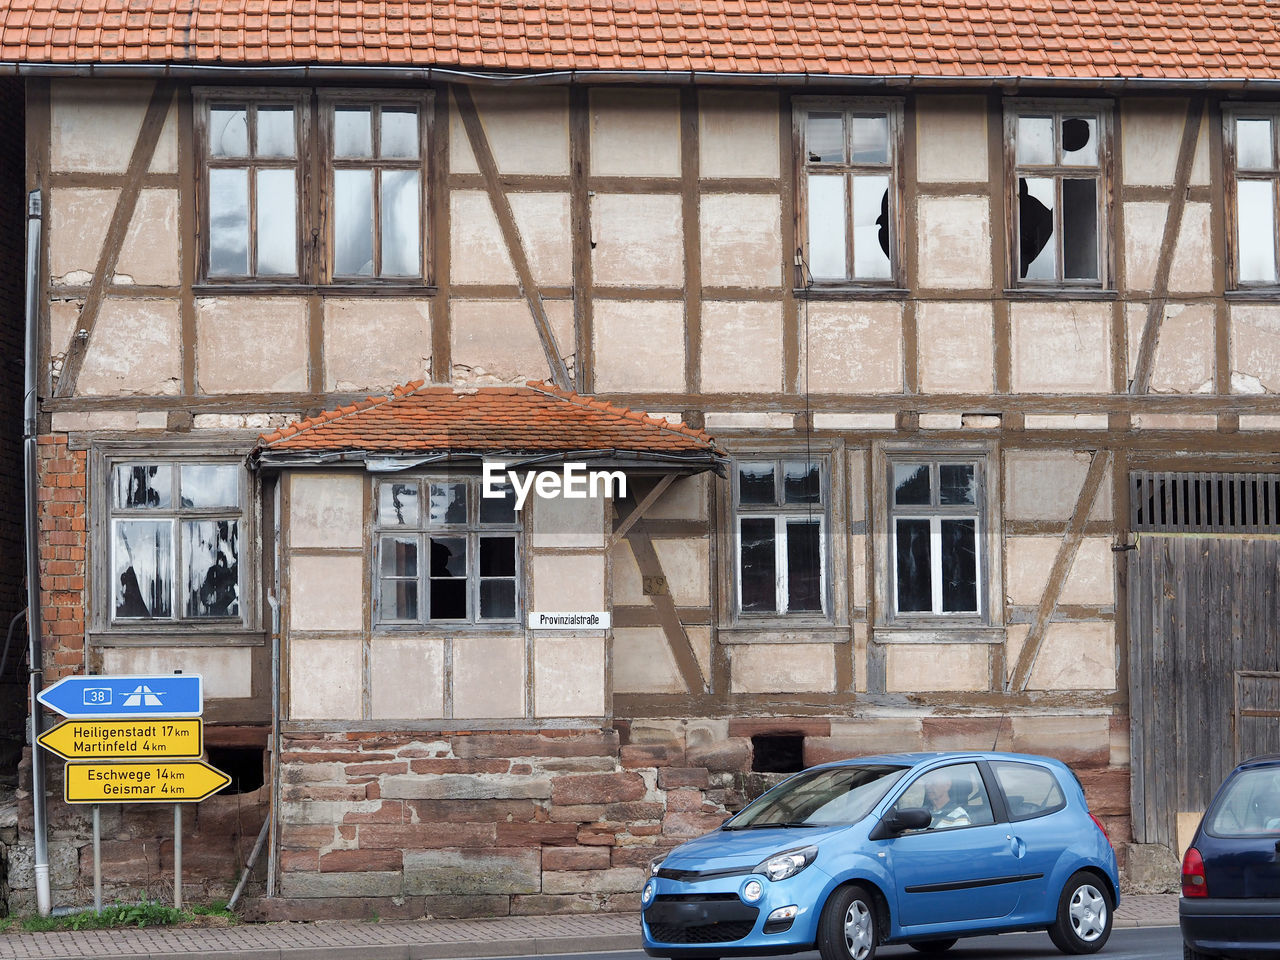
(31, 359)
(273, 598)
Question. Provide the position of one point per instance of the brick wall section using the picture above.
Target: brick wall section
(62, 556)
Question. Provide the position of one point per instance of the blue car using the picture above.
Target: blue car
(905, 848)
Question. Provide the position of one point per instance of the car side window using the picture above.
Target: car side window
(1029, 790)
(954, 796)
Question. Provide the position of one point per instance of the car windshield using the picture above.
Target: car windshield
(1249, 806)
(831, 796)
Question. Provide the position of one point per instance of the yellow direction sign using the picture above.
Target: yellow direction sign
(125, 739)
(174, 781)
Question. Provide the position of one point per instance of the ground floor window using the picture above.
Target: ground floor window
(780, 534)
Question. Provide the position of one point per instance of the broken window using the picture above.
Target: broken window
(446, 554)
(1251, 143)
(847, 184)
(781, 523)
(1059, 193)
(936, 536)
(175, 540)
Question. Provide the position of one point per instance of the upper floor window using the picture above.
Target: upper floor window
(1253, 165)
(935, 510)
(1060, 156)
(848, 186)
(781, 521)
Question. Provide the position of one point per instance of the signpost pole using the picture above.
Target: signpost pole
(97, 858)
(177, 856)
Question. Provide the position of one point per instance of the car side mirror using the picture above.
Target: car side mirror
(911, 818)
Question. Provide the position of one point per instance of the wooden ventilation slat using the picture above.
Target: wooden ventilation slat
(1205, 502)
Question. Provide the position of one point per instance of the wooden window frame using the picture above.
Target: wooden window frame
(1103, 112)
(892, 107)
(1231, 112)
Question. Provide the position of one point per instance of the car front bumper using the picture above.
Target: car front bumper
(1230, 928)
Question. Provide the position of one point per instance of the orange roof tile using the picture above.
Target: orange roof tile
(1105, 39)
(536, 418)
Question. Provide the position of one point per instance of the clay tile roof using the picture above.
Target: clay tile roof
(1152, 39)
(535, 418)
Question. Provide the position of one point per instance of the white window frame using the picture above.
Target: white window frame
(1231, 113)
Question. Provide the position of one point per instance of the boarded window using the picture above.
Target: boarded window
(1251, 139)
(781, 525)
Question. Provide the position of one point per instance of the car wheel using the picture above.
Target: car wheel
(848, 929)
(1190, 953)
(932, 946)
(1084, 916)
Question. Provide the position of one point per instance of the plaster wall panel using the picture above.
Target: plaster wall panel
(741, 240)
(1150, 138)
(635, 133)
(93, 127)
(1061, 347)
(1184, 351)
(64, 318)
(858, 570)
(782, 668)
(527, 130)
(1043, 484)
(135, 349)
(226, 672)
(326, 509)
(626, 580)
(855, 421)
(78, 218)
(920, 667)
(232, 335)
(149, 254)
(1143, 232)
(685, 499)
(637, 240)
(951, 139)
(954, 234)
(854, 348)
(326, 593)
(956, 347)
(857, 467)
(325, 678)
(1090, 580)
(1092, 577)
(643, 662)
(687, 566)
(1066, 421)
(1255, 348)
(1174, 421)
(568, 582)
(568, 676)
(737, 135)
(639, 346)
(1015, 637)
(477, 251)
(1076, 656)
(497, 341)
(859, 652)
(741, 347)
(1194, 256)
(406, 677)
(375, 344)
(488, 677)
(547, 236)
(561, 522)
(700, 640)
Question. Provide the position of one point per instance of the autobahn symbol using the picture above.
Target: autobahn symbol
(125, 739)
(117, 697)
(173, 781)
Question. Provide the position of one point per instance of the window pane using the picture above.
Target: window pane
(228, 131)
(755, 483)
(1080, 229)
(448, 557)
(142, 485)
(1037, 245)
(399, 137)
(352, 132)
(229, 223)
(398, 504)
(399, 556)
(399, 600)
(957, 483)
(827, 227)
(499, 510)
(1080, 141)
(497, 556)
(353, 223)
(959, 566)
(801, 482)
(277, 223)
(448, 503)
(910, 483)
(1253, 145)
(870, 139)
(1256, 216)
(1035, 140)
(401, 250)
(804, 566)
(759, 565)
(211, 555)
(871, 227)
(497, 599)
(142, 568)
(275, 132)
(210, 485)
(824, 138)
(911, 538)
(449, 599)
(1030, 790)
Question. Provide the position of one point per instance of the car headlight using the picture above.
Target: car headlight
(654, 865)
(646, 895)
(752, 891)
(787, 864)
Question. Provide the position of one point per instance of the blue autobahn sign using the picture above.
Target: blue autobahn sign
(90, 697)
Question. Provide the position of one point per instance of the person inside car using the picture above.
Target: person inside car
(943, 809)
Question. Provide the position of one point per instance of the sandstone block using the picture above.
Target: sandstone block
(633, 811)
(670, 778)
(460, 787)
(496, 870)
(347, 861)
(640, 755)
(576, 858)
(415, 836)
(691, 824)
(723, 756)
(370, 884)
(612, 880)
(597, 788)
(537, 834)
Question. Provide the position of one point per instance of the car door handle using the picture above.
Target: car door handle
(1017, 846)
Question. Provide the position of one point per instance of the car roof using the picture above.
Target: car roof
(920, 759)
(1265, 760)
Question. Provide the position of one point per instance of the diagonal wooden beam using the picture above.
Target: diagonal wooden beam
(1058, 573)
(511, 234)
(144, 149)
(1145, 362)
(658, 490)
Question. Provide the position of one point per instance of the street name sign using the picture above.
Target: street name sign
(174, 781)
(120, 697)
(125, 739)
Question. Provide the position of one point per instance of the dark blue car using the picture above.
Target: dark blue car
(1230, 905)
(919, 848)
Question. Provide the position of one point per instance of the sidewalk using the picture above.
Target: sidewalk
(405, 940)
